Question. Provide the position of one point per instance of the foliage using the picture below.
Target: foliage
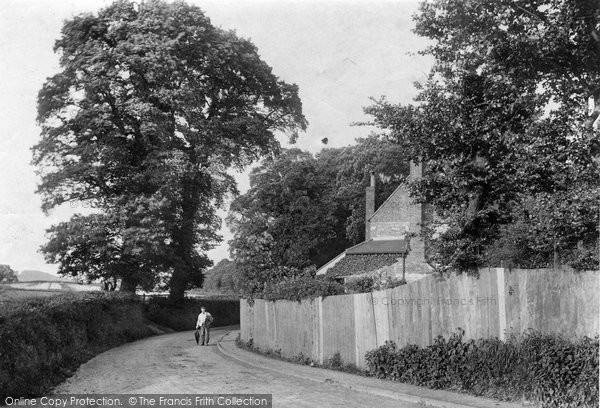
(302, 210)
(503, 126)
(351, 168)
(223, 277)
(45, 339)
(98, 247)
(365, 284)
(333, 362)
(547, 368)
(182, 315)
(302, 287)
(287, 216)
(357, 264)
(7, 275)
(388, 282)
(360, 285)
(152, 106)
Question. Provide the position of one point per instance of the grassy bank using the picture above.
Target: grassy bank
(43, 340)
(182, 316)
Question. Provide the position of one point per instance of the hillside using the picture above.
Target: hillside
(33, 275)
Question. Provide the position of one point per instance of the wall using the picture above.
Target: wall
(396, 217)
(498, 302)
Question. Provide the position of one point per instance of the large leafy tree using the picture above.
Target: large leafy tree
(350, 168)
(284, 220)
(301, 210)
(151, 107)
(505, 123)
(223, 277)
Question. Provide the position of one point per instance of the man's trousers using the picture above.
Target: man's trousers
(204, 334)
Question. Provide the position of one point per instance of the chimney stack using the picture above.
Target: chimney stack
(369, 206)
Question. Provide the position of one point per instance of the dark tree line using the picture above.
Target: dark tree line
(505, 122)
(303, 210)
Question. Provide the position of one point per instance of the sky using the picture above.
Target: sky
(340, 53)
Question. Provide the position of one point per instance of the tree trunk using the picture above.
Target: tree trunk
(185, 240)
(178, 283)
(128, 284)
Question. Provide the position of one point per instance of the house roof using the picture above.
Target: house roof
(387, 246)
(401, 186)
(360, 264)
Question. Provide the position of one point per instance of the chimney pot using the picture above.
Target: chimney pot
(370, 206)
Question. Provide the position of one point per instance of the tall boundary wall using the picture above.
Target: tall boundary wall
(497, 303)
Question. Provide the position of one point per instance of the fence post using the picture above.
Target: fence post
(501, 303)
(320, 317)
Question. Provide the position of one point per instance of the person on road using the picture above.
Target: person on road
(205, 319)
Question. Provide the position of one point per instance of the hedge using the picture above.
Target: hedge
(546, 368)
(182, 315)
(304, 287)
(43, 340)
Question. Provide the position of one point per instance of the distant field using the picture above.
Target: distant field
(52, 286)
(7, 294)
(23, 290)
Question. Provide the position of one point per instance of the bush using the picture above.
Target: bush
(388, 283)
(303, 287)
(360, 285)
(183, 315)
(546, 368)
(43, 340)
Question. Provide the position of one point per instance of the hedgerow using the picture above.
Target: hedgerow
(182, 315)
(302, 287)
(546, 368)
(43, 340)
(360, 285)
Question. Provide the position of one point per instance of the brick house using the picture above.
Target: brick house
(388, 232)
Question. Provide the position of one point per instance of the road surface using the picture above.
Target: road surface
(174, 364)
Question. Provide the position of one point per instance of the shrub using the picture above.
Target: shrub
(388, 283)
(334, 362)
(303, 287)
(359, 285)
(546, 368)
(182, 315)
(43, 340)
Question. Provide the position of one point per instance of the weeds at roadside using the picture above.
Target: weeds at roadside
(334, 362)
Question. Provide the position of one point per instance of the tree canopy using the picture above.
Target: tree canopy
(223, 277)
(303, 210)
(7, 275)
(505, 124)
(151, 107)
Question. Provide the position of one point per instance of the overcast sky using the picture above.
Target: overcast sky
(340, 53)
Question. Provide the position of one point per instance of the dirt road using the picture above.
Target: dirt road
(174, 364)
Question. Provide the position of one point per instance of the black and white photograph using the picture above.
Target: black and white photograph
(300, 203)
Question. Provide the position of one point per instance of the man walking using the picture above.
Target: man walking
(204, 321)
